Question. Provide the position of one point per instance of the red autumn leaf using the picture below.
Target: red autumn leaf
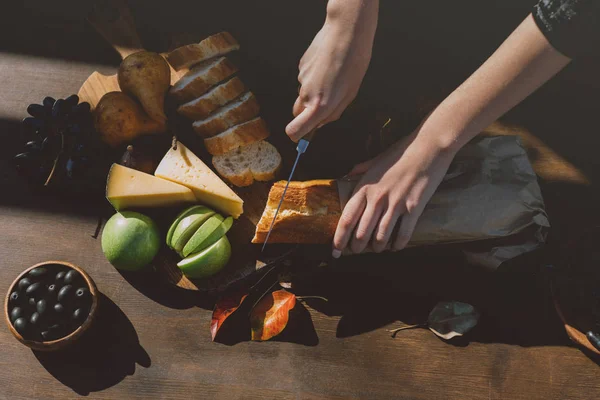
(223, 309)
(270, 316)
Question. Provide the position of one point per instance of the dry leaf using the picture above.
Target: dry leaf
(450, 319)
(270, 316)
(226, 306)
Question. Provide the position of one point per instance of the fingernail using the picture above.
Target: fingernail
(336, 253)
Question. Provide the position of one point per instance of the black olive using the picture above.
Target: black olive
(594, 339)
(82, 293)
(60, 277)
(16, 313)
(24, 284)
(79, 315)
(59, 308)
(34, 319)
(33, 289)
(41, 306)
(14, 297)
(52, 289)
(37, 273)
(20, 325)
(46, 335)
(71, 276)
(65, 293)
(32, 302)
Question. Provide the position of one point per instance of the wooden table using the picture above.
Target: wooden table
(153, 341)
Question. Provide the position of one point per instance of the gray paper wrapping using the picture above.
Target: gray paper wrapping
(490, 192)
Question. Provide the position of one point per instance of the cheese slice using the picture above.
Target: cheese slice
(184, 167)
(128, 188)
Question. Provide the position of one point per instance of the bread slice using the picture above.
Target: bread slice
(237, 136)
(211, 47)
(198, 80)
(241, 110)
(218, 96)
(309, 213)
(258, 161)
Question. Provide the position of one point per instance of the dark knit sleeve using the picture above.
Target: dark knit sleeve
(571, 26)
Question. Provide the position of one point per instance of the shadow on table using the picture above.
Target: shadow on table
(103, 357)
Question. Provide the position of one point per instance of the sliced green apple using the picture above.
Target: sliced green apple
(187, 227)
(204, 238)
(208, 262)
(182, 215)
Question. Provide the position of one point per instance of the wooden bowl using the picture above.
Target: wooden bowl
(57, 344)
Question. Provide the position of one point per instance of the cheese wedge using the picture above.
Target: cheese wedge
(128, 188)
(184, 167)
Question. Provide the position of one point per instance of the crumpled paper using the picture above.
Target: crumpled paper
(490, 200)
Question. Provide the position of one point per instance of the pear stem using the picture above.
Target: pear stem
(402, 328)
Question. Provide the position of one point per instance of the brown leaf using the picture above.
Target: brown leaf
(270, 316)
(226, 306)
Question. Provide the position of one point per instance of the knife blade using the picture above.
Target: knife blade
(301, 148)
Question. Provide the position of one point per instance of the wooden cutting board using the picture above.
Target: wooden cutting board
(115, 23)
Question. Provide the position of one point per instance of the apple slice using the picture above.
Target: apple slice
(182, 215)
(204, 238)
(208, 262)
(201, 234)
(187, 227)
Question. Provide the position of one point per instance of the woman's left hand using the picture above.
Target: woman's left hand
(394, 190)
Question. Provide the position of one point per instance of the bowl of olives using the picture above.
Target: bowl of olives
(50, 305)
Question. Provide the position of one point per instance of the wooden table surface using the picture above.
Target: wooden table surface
(153, 341)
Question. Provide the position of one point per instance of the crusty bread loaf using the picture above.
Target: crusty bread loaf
(211, 47)
(241, 110)
(237, 136)
(218, 96)
(258, 161)
(309, 213)
(198, 80)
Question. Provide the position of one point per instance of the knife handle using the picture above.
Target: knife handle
(310, 135)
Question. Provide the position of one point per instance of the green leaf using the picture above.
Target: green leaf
(453, 318)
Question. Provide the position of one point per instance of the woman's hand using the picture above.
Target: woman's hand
(333, 67)
(391, 195)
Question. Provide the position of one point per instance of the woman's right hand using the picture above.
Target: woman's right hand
(333, 67)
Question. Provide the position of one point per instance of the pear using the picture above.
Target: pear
(147, 77)
(119, 119)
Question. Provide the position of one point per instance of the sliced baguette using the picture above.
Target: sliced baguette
(211, 47)
(237, 136)
(218, 96)
(258, 161)
(241, 110)
(198, 80)
(309, 213)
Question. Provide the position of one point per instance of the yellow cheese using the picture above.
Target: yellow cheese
(184, 167)
(129, 188)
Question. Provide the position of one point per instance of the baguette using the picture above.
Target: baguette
(198, 80)
(238, 111)
(309, 213)
(211, 47)
(237, 136)
(258, 161)
(218, 96)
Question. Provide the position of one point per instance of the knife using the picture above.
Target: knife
(301, 148)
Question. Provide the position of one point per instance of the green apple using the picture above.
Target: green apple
(208, 262)
(187, 226)
(182, 215)
(130, 240)
(207, 234)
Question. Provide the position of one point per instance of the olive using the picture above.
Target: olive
(60, 277)
(46, 335)
(594, 339)
(24, 284)
(39, 272)
(79, 315)
(20, 325)
(65, 293)
(71, 276)
(34, 319)
(16, 313)
(82, 293)
(14, 297)
(32, 301)
(33, 289)
(52, 290)
(59, 308)
(41, 306)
